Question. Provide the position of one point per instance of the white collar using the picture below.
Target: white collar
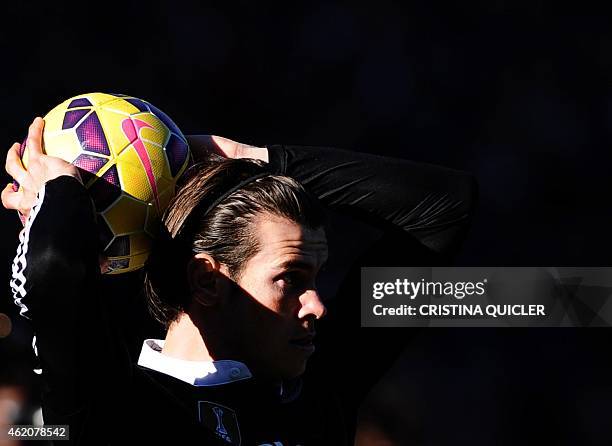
(197, 373)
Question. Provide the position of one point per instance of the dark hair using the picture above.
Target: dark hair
(225, 232)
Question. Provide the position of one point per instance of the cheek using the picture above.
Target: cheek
(266, 294)
(259, 311)
(269, 307)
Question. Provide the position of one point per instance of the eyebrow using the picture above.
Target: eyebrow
(296, 263)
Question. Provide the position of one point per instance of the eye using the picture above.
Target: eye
(290, 280)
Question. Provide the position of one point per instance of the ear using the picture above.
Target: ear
(203, 277)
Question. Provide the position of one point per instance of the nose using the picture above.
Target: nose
(311, 305)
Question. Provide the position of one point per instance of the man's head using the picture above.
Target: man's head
(244, 271)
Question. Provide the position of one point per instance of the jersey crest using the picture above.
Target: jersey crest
(221, 420)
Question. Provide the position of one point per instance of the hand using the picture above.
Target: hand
(41, 168)
(202, 144)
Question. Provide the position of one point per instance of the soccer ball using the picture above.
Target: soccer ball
(130, 155)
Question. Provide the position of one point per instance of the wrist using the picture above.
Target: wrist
(260, 153)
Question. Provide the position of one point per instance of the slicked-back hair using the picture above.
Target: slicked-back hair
(226, 232)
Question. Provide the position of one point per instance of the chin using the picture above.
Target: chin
(285, 365)
(294, 370)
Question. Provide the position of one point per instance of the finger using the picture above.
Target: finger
(104, 264)
(35, 138)
(14, 166)
(11, 199)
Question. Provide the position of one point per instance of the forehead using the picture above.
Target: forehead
(281, 239)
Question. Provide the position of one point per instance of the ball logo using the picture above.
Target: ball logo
(131, 129)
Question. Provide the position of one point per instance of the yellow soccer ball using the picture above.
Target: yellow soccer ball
(130, 155)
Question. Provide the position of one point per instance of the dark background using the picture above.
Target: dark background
(517, 92)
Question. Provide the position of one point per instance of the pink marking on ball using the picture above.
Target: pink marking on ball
(131, 129)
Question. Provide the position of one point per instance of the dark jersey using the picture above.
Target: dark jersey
(89, 377)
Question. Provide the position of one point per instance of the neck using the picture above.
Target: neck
(184, 341)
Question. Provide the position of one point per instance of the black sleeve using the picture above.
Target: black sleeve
(429, 203)
(57, 284)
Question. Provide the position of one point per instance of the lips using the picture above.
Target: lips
(304, 343)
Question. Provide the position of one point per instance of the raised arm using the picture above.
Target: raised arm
(57, 284)
(431, 203)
